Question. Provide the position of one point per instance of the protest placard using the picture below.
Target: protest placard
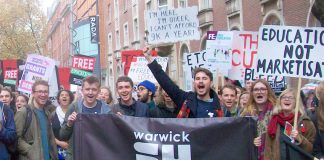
(219, 51)
(172, 25)
(38, 67)
(291, 51)
(193, 61)
(82, 66)
(139, 70)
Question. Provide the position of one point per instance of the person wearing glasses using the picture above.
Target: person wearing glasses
(146, 92)
(278, 133)
(38, 141)
(260, 105)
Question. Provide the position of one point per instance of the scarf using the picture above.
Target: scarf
(60, 114)
(280, 119)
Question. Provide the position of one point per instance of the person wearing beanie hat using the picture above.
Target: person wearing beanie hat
(145, 92)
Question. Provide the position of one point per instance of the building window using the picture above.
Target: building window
(116, 14)
(110, 48)
(117, 40)
(135, 8)
(109, 13)
(205, 4)
(136, 29)
(272, 20)
(183, 3)
(186, 82)
(148, 5)
(125, 5)
(126, 36)
(162, 4)
(116, 9)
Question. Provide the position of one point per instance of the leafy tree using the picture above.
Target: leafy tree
(22, 24)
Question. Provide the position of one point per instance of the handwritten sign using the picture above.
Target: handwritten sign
(291, 51)
(139, 71)
(172, 25)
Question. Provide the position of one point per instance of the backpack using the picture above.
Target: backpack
(12, 148)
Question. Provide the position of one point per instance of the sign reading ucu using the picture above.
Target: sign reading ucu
(162, 146)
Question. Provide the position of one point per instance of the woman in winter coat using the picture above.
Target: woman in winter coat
(277, 137)
(260, 104)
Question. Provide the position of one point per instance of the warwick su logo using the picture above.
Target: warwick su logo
(168, 146)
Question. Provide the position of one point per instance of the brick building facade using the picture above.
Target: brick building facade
(122, 27)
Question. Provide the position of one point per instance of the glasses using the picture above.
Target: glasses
(260, 90)
(41, 92)
(288, 97)
(141, 88)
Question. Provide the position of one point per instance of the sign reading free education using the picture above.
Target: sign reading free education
(291, 51)
(139, 70)
(172, 25)
(137, 138)
(82, 66)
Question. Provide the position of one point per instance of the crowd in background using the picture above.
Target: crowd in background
(33, 128)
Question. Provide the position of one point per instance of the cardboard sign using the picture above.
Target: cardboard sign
(172, 25)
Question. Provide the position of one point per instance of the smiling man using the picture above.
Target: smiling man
(89, 105)
(37, 142)
(202, 102)
(127, 105)
(228, 97)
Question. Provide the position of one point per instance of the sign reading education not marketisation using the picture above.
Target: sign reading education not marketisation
(291, 51)
(139, 70)
(172, 25)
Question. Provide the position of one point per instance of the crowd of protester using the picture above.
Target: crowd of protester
(33, 128)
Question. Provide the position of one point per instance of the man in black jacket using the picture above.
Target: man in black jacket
(203, 102)
(127, 105)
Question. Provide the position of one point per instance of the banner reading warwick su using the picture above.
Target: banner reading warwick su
(112, 137)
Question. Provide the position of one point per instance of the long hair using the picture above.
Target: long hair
(320, 111)
(278, 108)
(252, 109)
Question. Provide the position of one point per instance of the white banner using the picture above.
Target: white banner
(139, 70)
(291, 51)
(173, 25)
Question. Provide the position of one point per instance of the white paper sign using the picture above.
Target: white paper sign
(291, 51)
(139, 70)
(173, 25)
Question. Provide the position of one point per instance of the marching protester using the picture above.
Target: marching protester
(278, 132)
(319, 140)
(127, 105)
(146, 92)
(106, 95)
(165, 106)
(64, 99)
(21, 101)
(243, 99)
(7, 130)
(228, 98)
(7, 97)
(202, 102)
(88, 105)
(260, 104)
(33, 122)
(248, 85)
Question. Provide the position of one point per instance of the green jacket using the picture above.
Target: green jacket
(30, 145)
(66, 131)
